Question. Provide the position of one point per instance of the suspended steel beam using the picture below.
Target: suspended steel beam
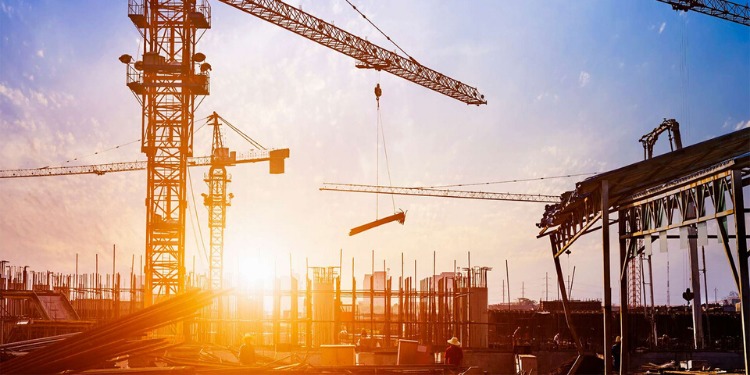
(367, 54)
(427, 192)
(400, 217)
(726, 10)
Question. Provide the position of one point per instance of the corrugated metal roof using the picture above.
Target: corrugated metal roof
(732, 148)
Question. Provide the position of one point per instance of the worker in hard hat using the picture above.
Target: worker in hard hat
(454, 355)
(247, 351)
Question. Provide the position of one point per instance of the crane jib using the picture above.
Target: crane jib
(367, 54)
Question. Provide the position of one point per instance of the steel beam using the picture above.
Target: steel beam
(624, 331)
(607, 308)
(740, 225)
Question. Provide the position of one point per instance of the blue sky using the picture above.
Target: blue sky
(571, 88)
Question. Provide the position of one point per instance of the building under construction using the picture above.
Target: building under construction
(295, 316)
(166, 319)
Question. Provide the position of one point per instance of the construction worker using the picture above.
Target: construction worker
(616, 355)
(247, 351)
(454, 355)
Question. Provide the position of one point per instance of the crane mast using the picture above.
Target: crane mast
(367, 54)
(166, 84)
(445, 193)
(217, 200)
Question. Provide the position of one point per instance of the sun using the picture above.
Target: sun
(250, 270)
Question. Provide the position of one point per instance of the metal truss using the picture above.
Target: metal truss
(368, 54)
(253, 156)
(708, 195)
(167, 84)
(428, 192)
(579, 222)
(726, 10)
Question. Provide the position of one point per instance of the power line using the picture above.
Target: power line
(509, 181)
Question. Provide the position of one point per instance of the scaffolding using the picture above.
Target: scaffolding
(287, 316)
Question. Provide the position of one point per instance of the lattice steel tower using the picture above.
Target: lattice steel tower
(217, 200)
(635, 268)
(166, 81)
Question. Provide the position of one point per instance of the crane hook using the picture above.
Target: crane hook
(378, 93)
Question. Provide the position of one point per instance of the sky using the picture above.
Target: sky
(571, 87)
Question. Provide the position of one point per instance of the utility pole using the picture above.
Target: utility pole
(507, 277)
(503, 290)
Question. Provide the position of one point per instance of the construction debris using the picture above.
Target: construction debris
(118, 338)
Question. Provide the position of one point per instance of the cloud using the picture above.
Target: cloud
(742, 125)
(40, 98)
(661, 28)
(40, 53)
(547, 95)
(7, 9)
(15, 96)
(584, 78)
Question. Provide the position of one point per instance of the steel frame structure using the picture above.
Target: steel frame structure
(217, 202)
(166, 83)
(692, 200)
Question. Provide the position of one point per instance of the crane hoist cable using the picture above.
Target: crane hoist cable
(399, 216)
(381, 135)
(112, 148)
(243, 135)
(381, 31)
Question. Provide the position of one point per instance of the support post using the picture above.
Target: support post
(741, 232)
(695, 279)
(607, 308)
(294, 313)
(624, 332)
(565, 303)
(722, 226)
(696, 285)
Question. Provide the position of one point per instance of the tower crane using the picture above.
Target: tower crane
(723, 9)
(217, 200)
(172, 73)
(167, 79)
(444, 193)
(275, 157)
(217, 178)
(428, 192)
(367, 54)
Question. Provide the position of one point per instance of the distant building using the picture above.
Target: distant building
(557, 306)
